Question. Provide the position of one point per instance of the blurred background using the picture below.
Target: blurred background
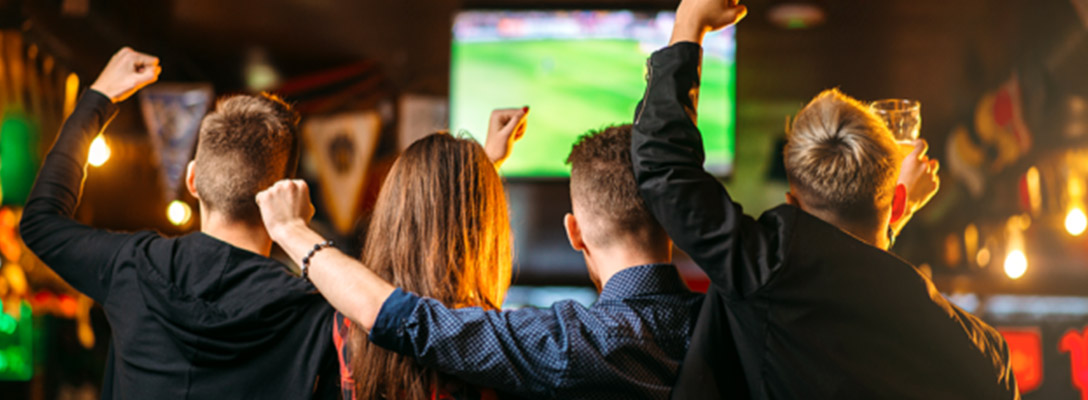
(1003, 88)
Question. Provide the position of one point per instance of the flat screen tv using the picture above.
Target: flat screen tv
(578, 70)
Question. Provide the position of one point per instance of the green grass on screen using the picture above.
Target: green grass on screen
(573, 87)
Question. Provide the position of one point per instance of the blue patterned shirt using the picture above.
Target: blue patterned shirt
(628, 345)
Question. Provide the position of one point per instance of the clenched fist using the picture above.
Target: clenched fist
(506, 127)
(127, 72)
(285, 205)
(695, 18)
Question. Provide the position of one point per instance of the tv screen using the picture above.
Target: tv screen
(578, 71)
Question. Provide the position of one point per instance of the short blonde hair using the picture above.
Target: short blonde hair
(842, 158)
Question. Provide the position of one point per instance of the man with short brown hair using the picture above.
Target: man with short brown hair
(607, 212)
(246, 144)
(627, 345)
(206, 315)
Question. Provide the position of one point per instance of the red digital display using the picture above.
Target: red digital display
(1026, 352)
(1076, 344)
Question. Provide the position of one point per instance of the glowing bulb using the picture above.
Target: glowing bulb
(99, 153)
(1016, 264)
(983, 258)
(178, 212)
(1076, 222)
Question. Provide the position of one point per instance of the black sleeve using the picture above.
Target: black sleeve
(736, 251)
(78, 253)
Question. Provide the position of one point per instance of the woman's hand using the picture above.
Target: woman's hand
(285, 205)
(506, 127)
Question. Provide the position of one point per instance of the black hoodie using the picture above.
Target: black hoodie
(191, 317)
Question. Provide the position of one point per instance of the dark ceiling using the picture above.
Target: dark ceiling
(945, 55)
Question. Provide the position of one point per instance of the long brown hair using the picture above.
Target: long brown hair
(440, 229)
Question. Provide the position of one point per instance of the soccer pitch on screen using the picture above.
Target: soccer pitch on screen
(577, 71)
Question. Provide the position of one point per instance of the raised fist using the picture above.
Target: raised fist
(507, 125)
(127, 72)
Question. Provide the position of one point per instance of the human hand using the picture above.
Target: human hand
(918, 174)
(285, 205)
(506, 127)
(127, 72)
(695, 18)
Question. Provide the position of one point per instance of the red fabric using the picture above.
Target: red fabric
(341, 328)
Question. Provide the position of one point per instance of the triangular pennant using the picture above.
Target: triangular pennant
(173, 113)
(341, 147)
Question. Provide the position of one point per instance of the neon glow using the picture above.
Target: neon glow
(1076, 344)
(1026, 354)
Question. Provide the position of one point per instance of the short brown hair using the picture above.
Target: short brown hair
(245, 146)
(602, 181)
(841, 157)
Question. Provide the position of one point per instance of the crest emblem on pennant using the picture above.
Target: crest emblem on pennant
(173, 112)
(342, 146)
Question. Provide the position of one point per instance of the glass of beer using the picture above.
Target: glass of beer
(903, 117)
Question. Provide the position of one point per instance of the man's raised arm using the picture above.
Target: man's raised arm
(79, 253)
(667, 151)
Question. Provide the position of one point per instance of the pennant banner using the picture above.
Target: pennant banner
(420, 116)
(341, 146)
(173, 113)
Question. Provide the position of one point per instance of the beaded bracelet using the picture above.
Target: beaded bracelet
(306, 260)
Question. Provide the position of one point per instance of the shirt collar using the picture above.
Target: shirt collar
(643, 279)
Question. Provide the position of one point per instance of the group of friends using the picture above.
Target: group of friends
(804, 301)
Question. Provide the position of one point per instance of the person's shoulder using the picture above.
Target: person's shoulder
(149, 245)
(781, 220)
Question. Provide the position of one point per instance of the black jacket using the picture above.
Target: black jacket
(191, 317)
(797, 308)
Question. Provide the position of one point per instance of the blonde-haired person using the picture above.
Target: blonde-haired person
(843, 164)
(805, 302)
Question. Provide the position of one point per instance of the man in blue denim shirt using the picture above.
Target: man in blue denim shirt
(628, 345)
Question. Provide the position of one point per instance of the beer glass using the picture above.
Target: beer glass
(903, 117)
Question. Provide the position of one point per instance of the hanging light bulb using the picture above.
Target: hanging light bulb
(99, 152)
(1016, 264)
(178, 212)
(1076, 222)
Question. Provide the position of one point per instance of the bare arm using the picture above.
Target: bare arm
(345, 282)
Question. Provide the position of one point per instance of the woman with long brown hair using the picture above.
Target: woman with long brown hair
(440, 228)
